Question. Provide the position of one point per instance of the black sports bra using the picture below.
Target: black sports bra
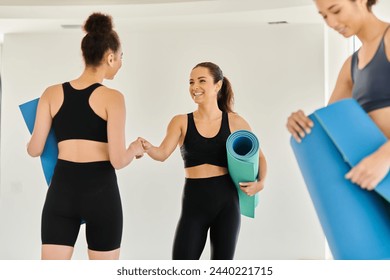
(371, 85)
(76, 119)
(197, 150)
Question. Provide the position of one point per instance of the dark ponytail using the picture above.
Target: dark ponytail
(225, 94)
(99, 39)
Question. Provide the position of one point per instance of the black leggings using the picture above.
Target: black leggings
(83, 192)
(208, 203)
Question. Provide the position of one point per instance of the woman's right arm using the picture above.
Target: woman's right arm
(170, 142)
(298, 124)
(120, 156)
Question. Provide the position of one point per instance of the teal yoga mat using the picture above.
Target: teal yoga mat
(356, 222)
(50, 152)
(243, 163)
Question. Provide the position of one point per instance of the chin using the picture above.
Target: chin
(347, 35)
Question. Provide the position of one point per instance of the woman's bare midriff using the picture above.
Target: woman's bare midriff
(382, 119)
(205, 171)
(83, 151)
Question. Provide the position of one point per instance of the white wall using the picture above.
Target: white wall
(274, 71)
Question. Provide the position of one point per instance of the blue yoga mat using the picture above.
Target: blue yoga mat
(50, 151)
(356, 222)
(243, 163)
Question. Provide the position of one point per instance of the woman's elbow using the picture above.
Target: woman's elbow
(118, 164)
(34, 152)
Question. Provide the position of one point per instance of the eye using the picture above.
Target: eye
(202, 81)
(191, 82)
(336, 12)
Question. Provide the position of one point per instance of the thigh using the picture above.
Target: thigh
(197, 212)
(56, 252)
(59, 224)
(224, 232)
(104, 220)
(190, 238)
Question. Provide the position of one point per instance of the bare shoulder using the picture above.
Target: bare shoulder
(178, 120)
(236, 122)
(53, 91)
(345, 73)
(111, 96)
(110, 92)
(348, 62)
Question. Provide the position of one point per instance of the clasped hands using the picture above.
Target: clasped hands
(140, 146)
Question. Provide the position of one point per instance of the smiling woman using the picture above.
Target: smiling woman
(210, 200)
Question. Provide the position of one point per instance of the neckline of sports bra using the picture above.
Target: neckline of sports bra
(209, 138)
(76, 89)
(381, 42)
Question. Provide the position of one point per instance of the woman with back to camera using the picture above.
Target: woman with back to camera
(89, 122)
(365, 76)
(210, 199)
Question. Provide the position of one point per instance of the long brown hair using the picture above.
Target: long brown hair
(225, 94)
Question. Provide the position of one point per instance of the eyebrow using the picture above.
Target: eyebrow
(202, 77)
(330, 8)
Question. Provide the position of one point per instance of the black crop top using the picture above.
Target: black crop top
(197, 150)
(75, 119)
(371, 85)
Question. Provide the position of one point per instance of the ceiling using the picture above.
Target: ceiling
(265, 3)
(50, 15)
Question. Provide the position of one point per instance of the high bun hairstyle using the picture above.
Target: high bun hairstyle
(225, 94)
(99, 39)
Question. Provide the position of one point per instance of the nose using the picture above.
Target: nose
(331, 22)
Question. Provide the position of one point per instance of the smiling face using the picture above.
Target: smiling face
(344, 16)
(202, 86)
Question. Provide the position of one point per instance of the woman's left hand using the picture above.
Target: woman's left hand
(251, 188)
(370, 171)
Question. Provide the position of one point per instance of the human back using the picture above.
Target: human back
(79, 149)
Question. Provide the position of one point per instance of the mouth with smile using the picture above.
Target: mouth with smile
(341, 30)
(196, 94)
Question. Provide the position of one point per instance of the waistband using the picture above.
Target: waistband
(208, 180)
(93, 164)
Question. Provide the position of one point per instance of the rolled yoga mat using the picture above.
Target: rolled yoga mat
(50, 151)
(356, 222)
(243, 164)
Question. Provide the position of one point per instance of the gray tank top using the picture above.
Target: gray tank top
(371, 85)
